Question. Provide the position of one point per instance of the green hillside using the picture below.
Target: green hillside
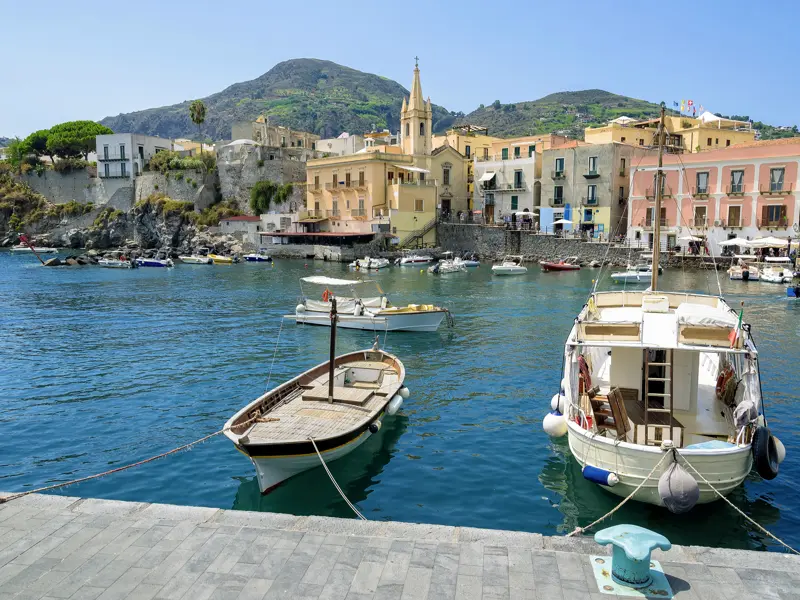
(306, 94)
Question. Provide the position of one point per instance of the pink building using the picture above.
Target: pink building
(748, 190)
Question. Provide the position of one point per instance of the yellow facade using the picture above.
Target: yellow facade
(470, 141)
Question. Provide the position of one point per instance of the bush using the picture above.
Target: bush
(156, 186)
(67, 165)
(264, 193)
(172, 161)
(193, 182)
(212, 215)
(178, 176)
(260, 162)
(14, 222)
(162, 204)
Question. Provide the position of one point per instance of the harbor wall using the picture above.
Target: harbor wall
(80, 186)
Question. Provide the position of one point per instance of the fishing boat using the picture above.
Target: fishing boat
(776, 270)
(369, 264)
(219, 259)
(154, 262)
(511, 265)
(414, 259)
(447, 265)
(322, 414)
(661, 394)
(744, 268)
(641, 273)
(25, 248)
(566, 264)
(373, 313)
(260, 256)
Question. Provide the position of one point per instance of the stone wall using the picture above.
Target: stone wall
(60, 188)
(190, 186)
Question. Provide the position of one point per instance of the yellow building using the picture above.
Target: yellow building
(389, 189)
(685, 134)
(473, 141)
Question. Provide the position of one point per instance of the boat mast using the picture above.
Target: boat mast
(331, 365)
(657, 216)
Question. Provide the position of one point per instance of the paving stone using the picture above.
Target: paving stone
(255, 589)
(388, 591)
(417, 584)
(469, 587)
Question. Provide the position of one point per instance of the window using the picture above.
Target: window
(776, 179)
(445, 176)
(514, 202)
(467, 151)
(313, 145)
(334, 181)
(516, 151)
(141, 152)
(485, 154)
(335, 211)
(737, 182)
(621, 195)
(727, 143)
(734, 216)
(107, 170)
(773, 216)
(123, 169)
(122, 151)
(708, 143)
(558, 194)
(419, 205)
(489, 199)
(105, 152)
(591, 194)
(702, 182)
(347, 180)
(316, 207)
(504, 153)
(716, 141)
(518, 179)
(592, 165)
(641, 142)
(588, 215)
(422, 176)
(283, 141)
(390, 175)
(408, 130)
(316, 182)
(531, 150)
(422, 129)
(559, 166)
(361, 179)
(299, 143)
(361, 205)
(622, 166)
(699, 216)
(651, 211)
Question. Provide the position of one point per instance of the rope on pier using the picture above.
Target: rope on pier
(736, 508)
(578, 530)
(333, 481)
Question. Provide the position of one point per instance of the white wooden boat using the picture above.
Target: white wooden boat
(373, 313)
(25, 248)
(196, 259)
(744, 268)
(414, 259)
(511, 265)
(338, 404)
(154, 262)
(655, 381)
(369, 264)
(776, 270)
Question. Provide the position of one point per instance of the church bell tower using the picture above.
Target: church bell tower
(416, 120)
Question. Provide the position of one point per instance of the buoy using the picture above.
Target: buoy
(554, 424)
(563, 385)
(394, 405)
(300, 308)
(305, 265)
(678, 489)
(554, 403)
(780, 449)
(404, 392)
(562, 404)
(375, 427)
(599, 476)
(422, 270)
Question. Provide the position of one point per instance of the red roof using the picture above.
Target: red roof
(249, 218)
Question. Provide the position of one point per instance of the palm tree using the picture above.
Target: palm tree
(197, 112)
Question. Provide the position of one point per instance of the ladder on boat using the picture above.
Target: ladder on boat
(655, 402)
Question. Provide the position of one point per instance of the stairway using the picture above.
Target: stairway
(417, 234)
(655, 413)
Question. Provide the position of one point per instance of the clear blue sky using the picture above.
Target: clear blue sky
(87, 59)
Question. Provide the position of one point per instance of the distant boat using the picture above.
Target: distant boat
(219, 259)
(777, 270)
(410, 260)
(447, 265)
(260, 256)
(195, 259)
(567, 264)
(24, 248)
(115, 262)
(154, 262)
(370, 264)
(640, 273)
(511, 265)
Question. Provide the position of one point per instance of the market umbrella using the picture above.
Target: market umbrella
(737, 241)
(769, 242)
(562, 222)
(691, 238)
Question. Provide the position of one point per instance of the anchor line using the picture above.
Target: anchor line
(333, 481)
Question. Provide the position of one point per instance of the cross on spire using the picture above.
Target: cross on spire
(416, 61)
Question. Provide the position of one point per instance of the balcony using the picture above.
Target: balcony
(776, 190)
(510, 187)
(558, 174)
(314, 189)
(648, 224)
(498, 157)
(650, 193)
(557, 201)
(332, 213)
(592, 174)
(735, 189)
(306, 215)
(420, 183)
(111, 157)
(735, 224)
(700, 222)
(781, 223)
(330, 186)
(589, 200)
(358, 212)
(698, 192)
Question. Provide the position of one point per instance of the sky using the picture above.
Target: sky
(88, 60)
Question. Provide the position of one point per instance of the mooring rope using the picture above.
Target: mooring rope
(578, 530)
(736, 508)
(272, 364)
(333, 481)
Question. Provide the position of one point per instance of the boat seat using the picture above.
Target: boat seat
(345, 395)
(611, 407)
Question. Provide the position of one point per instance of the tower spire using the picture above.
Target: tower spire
(415, 101)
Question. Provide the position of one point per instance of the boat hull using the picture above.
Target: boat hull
(115, 264)
(559, 267)
(724, 469)
(196, 260)
(38, 250)
(501, 270)
(421, 321)
(411, 262)
(153, 262)
(257, 259)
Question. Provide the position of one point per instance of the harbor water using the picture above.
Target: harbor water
(99, 368)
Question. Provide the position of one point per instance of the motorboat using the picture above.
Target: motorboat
(219, 259)
(776, 270)
(116, 260)
(154, 262)
(356, 311)
(323, 414)
(744, 268)
(260, 256)
(468, 260)
(447, 265)
(196, 259)
(26, 248)
(369, 264)
(414, 259)
(566, 264)
(511, 265)
(661, 395)
(637, 273)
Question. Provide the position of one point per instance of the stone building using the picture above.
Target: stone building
(276, 136)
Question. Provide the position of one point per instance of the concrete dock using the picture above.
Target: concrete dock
(83, 549)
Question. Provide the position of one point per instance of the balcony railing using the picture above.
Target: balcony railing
(312, 214)
(776, 190)
(110, 157)
(700, 192)
(558, 174)
(333, 186)
(358, 212)
(557, 201)
(592, 174)
(735, 224)
(699, 222)
(735, 189)
(314, 189)
(782, 223)
(589, 200)
(509, 187)
(422, 183)
(650, 193)
(332, 213)
(648, 224)
(495, 157)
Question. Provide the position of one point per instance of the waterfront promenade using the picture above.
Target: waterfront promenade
(66, 547)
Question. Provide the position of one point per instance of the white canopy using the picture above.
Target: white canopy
(243, 142)
(623, 120)
(486, 176)
(708, 117)
(690, 238)
(321, 280)
(415, 169)
(562, 222)
(770, 242)
(737, 241)
(526, 212)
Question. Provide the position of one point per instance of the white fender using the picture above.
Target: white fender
(554, 424)
(780, 449)
(404, 392)
(394, 405)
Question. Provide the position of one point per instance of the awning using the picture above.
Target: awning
(415, 169)
(770, 242)
(691, 238)
(321, 280)
(486, 176)
(737, 241)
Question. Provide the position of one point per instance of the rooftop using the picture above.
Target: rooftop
(249, 218)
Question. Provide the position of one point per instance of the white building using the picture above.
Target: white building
(343, 145)
(504, 185)
(122, 155)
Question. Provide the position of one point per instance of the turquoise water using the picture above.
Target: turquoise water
(104, 367)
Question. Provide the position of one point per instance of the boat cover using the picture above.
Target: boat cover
(321, 280)
(704, 316)
(343, 305)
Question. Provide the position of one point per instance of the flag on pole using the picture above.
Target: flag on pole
(682, 105)
(701, 109)
(675, 103)
(735, 332)
(690, 103)
(694, 111)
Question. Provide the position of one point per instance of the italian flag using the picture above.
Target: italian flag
(734, 334)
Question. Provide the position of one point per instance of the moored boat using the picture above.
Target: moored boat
(776, 270)
(369, 264)
(642, 273)
(412, 259)
(116, 261)
(220, 259)
(511, 265)
(260, 256)
(154, 262)
(744, 268)
(566, 264)
(24, 248)
(196, 259)
(447, 265)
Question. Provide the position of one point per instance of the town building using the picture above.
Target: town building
(123, 155)
(471, 141)
(685, 134)
(386, 189)
(745, 191)
(346, 143)
(277, 136)
(381, 138)
(587, 184)
(191, 148)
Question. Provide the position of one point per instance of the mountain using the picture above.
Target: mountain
(307, 94)
(565, 113)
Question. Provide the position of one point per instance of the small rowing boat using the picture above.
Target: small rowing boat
(24, 248)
